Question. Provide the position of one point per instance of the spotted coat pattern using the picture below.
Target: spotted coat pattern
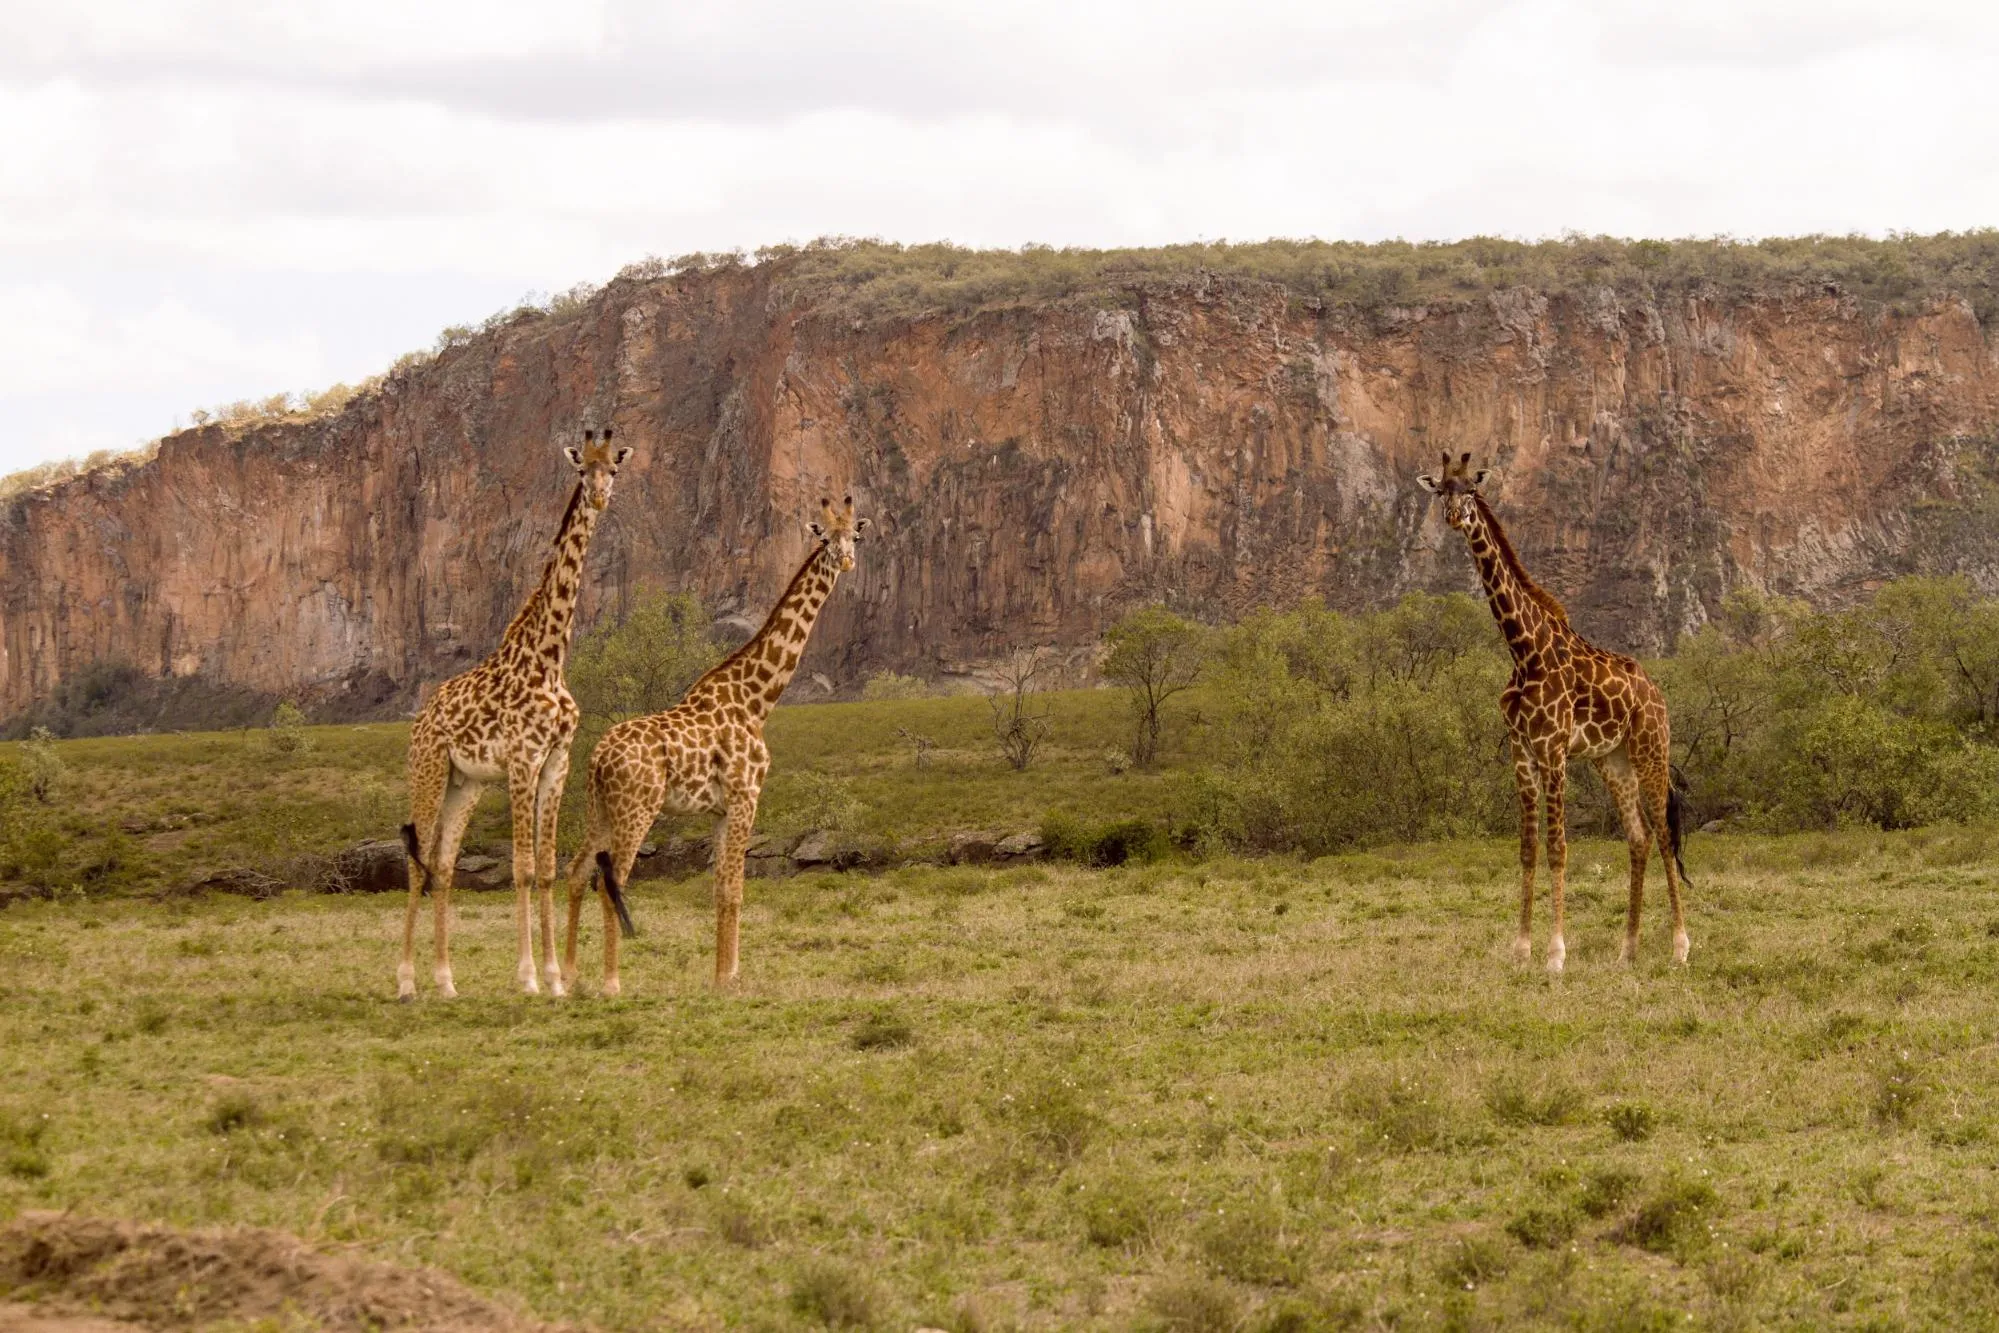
(705, 755)
(1568, 699)
(510, 719)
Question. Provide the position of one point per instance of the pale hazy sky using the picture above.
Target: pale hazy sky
(204, 200)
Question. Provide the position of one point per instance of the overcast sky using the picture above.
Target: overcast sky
(204, 200)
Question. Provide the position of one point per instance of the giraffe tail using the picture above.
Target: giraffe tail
(616, 894)
(1676, 815)
(415, 850)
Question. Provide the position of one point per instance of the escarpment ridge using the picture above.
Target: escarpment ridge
(1038, 459)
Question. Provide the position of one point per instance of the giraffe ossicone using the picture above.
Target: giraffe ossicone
(705, 755)
(510, 719)
(1566, 699)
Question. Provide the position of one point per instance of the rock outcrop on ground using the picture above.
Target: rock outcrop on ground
(1032, 471)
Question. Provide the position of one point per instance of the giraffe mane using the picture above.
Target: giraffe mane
(1542, 598)
(783, 601)
(532, 607)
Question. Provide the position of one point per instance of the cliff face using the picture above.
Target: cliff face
(1033, 472)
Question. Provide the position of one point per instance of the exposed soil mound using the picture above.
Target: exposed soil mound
(88, 1275)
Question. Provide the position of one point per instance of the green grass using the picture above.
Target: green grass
(1236, 1094)
(148, 813)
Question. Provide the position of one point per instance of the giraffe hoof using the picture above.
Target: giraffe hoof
(1680, 950)
(406, 996)
(1627, 952)
(1523, 949)
(1557, 955)
(611, 988)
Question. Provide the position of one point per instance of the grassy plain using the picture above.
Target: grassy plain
(1232, 1094)
(148, 813)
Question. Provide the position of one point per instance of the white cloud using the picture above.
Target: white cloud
(52, 341)
(464, 146)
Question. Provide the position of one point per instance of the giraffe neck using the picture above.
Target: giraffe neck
(538, 639)
(1530, 628)
(761, 668)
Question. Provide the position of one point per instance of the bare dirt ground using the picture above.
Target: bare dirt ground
(65, 1274)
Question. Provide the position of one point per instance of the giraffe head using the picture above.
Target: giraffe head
(597, 463)
(838, 530)
(1458, 484)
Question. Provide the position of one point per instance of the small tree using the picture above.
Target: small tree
(1154, 655)
(646, 663)
(42, 764)
(1016, 726)
(287, 733)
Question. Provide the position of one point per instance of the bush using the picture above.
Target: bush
(884, 685)
(1674, 1219)
(42, 765)
(287, 731)
(1123, 841)
(644, 663)
(1334, 731)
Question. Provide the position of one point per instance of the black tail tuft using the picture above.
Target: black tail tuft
(616, 894)
(416, 854)
(1676, 813)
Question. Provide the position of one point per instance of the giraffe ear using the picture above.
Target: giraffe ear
(1479, 479)
(574, 455)
(1429, 483)
(861, 526)
(618, 458)
(816, 530)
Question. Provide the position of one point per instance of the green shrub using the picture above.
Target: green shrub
(1633, 1122)
(889, 685)
(42, 765)
(1674, 1219)
(286, 735)
(1603, 1191)
(644, 662)
(1542, 1227)
(1120, 842)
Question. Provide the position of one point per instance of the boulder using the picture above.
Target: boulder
(483, 872)
(818, 848)
(972, 848)
(676, 858)
(238, 880)
(1026, 844)
(368, 867)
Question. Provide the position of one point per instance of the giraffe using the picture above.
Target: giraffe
(508, 719)
(1568, 698)
(704, 755)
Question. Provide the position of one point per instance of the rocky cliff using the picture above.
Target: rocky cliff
(1033, 470)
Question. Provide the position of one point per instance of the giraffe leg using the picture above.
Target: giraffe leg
(1615, 770)
(428, 776)
(523, 785)
(1654, 778)
(548, 804)
(1528, 785)
(578, 876)
(731, 845)
(1554, 782)
(459, 799)
(624, 853)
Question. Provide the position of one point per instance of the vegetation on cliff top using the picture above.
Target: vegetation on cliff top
(874, 278)
(871, 279)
